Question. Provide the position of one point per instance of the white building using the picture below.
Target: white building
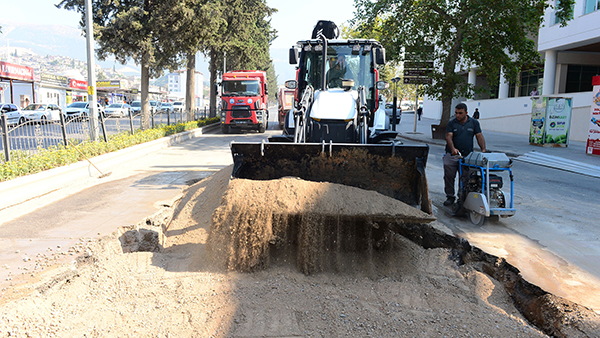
(176, 87)
(571, 57)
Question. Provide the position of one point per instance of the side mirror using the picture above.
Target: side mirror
(381, 85)
(293, 56)
(291, 84)
(266, 89)
(380, 56)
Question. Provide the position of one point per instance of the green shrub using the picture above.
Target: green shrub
(59, 156)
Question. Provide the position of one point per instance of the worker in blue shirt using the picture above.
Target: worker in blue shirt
(459, 142)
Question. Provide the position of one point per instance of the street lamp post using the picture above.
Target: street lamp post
(394, 108)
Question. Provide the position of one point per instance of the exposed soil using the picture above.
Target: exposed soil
(175, 275)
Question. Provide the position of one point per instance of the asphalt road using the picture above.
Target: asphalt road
(552, 238)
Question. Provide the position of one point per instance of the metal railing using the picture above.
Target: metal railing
(26, 138)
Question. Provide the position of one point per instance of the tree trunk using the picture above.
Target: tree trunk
(450, 81)
(190, 88)
(213, 83)
(145, 119)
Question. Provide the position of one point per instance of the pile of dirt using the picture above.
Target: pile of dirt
(315, 221)
(403, 291)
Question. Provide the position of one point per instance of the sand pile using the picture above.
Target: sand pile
(314, 221)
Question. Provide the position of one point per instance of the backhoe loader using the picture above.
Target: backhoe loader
(336, 129)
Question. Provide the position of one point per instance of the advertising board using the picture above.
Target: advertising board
(593, 140)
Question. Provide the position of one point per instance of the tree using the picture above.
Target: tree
(272, 81)
(200, 21)
(464, 33)
(244, 41)
(141, 30)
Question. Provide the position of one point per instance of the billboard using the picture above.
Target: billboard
(16, 72)
(593, 140)
(550, 121)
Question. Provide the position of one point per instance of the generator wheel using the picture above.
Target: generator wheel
(475, 218)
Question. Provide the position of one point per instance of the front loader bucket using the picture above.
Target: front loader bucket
(393, 170)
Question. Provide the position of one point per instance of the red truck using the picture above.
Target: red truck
(285, 100)
(244, 101)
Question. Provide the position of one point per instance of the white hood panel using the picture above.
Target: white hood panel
(334, 104)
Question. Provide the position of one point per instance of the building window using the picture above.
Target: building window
(579, 78)
(512, 89)
(591, 6)
(530, 80)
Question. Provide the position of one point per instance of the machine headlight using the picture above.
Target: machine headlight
(259, 113)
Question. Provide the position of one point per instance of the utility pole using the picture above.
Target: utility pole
(416, 106)
(395, 106)
(93, 107)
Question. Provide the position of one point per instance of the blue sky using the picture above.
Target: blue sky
(294, 21)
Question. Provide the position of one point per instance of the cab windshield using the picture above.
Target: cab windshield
(241, 88)
(341, 65)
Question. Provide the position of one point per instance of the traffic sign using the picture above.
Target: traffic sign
(418, 65)
(417, 72)
(420, 48)
(417, 80)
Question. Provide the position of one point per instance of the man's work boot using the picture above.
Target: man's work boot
(449, 201)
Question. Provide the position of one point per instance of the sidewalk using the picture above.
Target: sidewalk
(47, 218)
(513, 145)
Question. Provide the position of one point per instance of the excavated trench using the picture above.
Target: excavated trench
(308, 225)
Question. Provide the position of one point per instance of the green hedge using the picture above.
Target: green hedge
(59, 156)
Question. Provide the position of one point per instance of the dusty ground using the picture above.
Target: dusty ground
(398, 290)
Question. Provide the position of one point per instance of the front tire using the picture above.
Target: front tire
(262, 127)
(225, 129)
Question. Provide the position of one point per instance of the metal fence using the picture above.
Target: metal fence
(26, 138)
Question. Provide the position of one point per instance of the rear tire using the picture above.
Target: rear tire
(225, 129)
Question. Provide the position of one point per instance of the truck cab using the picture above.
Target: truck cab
(285, 102)
(244, 101)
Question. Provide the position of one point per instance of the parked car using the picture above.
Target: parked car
(166, 107)
(407, 107)
(389, 108)
(13, 113)
(154, 107)
(42, 112)
(117, 109)
(81, 110)
(136, 107)
(178, 106)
